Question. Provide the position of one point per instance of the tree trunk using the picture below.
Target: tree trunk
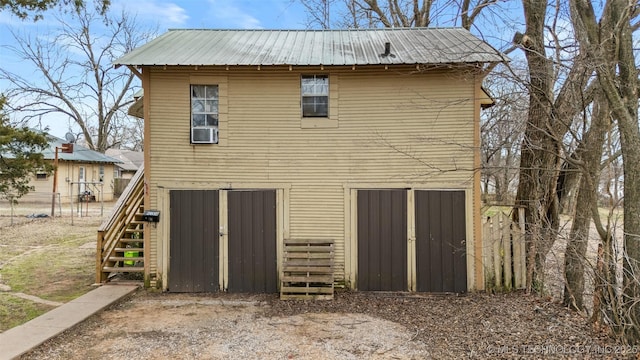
(612, 43)
(539, 160)
(588, 154)
(568, 186)
(631, 269)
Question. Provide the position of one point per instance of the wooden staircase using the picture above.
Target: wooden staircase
(121, 243)
(307, 270)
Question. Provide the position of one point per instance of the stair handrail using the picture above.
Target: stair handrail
(113, 227)
(115, 232)
(137, 178)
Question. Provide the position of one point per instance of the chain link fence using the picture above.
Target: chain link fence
(47, 204)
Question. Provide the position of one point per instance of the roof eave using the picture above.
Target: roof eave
(444, 63)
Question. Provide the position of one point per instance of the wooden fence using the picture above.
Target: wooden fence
(119, 185)
(504, 251)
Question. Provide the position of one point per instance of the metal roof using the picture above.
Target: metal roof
(80, 153)
(130, 160)
(313, 47)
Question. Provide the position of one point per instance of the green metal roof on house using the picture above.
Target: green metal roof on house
(80, 153)
(313, 47)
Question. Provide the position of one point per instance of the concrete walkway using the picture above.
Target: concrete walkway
(20, 339)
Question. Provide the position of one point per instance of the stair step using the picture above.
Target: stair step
(129, 249)
(123, 269)
(124, 258)
(129, 240)
(134, 230)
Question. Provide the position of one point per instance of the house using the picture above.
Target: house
(261, 143)
(130, 162)
(78, 172)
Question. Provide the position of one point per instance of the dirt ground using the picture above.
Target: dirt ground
(352, 326)
(152, 325)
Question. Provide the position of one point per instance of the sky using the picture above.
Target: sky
(221, 14)
(157, 14)
(162, 15)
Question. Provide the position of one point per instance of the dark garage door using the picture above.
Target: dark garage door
(252, 241)
(440, 241)
(382, 240)
(194, 239)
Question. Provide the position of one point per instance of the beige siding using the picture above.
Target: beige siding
(68, 172)
(395, 128)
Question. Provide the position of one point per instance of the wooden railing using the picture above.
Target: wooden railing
(114, 228)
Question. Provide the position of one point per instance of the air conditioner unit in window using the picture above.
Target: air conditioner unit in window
(204, 135)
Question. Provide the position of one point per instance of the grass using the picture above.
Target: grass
(617, 215)
(10, 251)
(58, 273)
(15, 311)
(488, 211)
(492, 210)
(47, 259)
(52, 275)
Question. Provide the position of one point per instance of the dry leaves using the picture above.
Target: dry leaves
(354, 325)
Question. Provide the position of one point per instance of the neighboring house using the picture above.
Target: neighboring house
(366, 139)
(130, 162)
(80, 171)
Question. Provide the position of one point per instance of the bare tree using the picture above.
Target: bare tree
(502, 130)
(611, 182)
(588, 161)
(540, 158)
(392, 13)
(78, 79)
(610, 45)
(318, 13)
(128, 134)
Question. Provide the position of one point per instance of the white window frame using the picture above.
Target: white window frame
(316, 90)
(207, 108)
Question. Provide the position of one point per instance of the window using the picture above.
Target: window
(41, 176)
(101, 173)
(315, 95)
(204, 114)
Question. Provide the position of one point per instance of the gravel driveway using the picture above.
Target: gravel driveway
(352, 326)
